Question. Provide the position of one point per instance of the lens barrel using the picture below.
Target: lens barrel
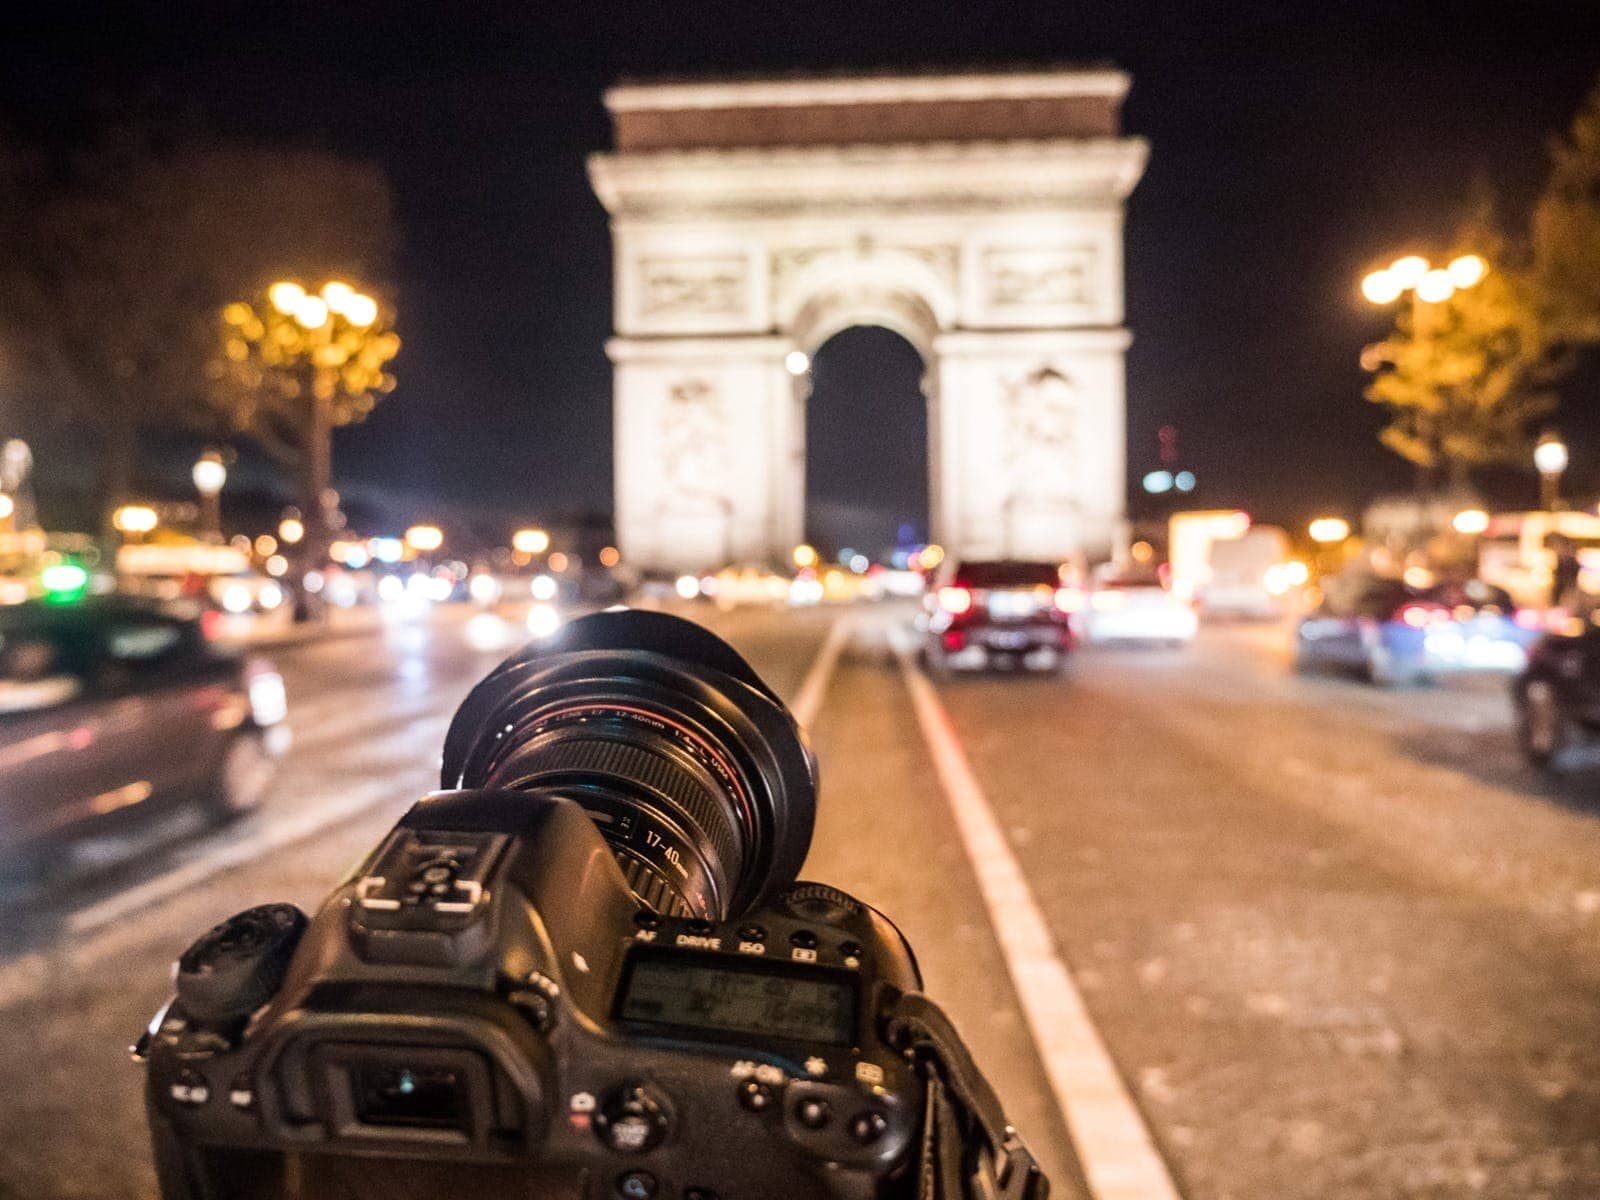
(689, 764)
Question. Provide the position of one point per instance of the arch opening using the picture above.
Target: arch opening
(867, 443)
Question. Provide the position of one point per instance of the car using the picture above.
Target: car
(113, 709)
(245, 592)
(998, 613)
(1135, 607)
(1396, 634)
(1557, 698)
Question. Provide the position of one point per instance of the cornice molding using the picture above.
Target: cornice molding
(866, 89)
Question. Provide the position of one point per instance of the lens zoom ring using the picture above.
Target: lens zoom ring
(619, 760)
(650, 887)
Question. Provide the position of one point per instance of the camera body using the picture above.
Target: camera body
(485, 1007)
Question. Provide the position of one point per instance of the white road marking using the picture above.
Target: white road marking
(808, 700)
(1119, 1157)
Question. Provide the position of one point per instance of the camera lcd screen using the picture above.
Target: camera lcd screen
(686, 993)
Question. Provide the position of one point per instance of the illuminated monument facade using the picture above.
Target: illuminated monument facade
(977, 215)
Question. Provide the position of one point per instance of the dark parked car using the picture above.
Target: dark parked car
(1395, 634)
(1558, 698)
(999, 613)
(112, 709)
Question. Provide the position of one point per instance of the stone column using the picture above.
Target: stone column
(707, 438)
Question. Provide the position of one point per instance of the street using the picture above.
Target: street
(1338, 941)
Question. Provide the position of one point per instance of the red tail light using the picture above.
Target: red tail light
(1068, 600)
(955, 600)
(210, 624)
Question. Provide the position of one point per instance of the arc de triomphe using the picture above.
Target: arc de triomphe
(978, 215)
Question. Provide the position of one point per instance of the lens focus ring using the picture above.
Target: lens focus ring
(586, 758)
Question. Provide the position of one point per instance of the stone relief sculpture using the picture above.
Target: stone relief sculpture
(694, 287)
(694, 449)
(1034, 277)
(1041, 431)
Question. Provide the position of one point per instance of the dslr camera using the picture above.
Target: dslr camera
(586, 969)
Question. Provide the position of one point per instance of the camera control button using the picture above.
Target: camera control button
(813, 1113)
(851, 949)
(803, 939)
(645, 919)
(631, 1121)
(867, 1127)
(698, 928)
(755, 1095)
(191, 1088)
(752, 933)
(637, 1185)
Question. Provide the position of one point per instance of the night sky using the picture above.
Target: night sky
(1292, 147)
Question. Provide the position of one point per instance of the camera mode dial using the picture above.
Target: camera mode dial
(821, 903)
(237, 966)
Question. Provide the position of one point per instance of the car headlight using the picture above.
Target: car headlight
(269, 702)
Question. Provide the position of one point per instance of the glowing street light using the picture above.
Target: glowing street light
(1425, 282)
(318, 353)
(291, 530)
(1467, 270)
(530, 541)
(797, 362)
(1382, 287)
(8, 506)
(209, 474)
(1408, 271)
(1435, 287)
(1470, 521)
(1328, 530)
(1550, 458)
(135, 518)
(424, 539)
(286, 296)
(805, 556)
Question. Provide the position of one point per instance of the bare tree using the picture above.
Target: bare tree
(119, 261)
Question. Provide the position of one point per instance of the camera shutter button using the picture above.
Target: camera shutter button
(631, 1120)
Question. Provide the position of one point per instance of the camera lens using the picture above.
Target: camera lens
(690, 766)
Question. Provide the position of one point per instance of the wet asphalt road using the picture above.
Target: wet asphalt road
(1340, 942)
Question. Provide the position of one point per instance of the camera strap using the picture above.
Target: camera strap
(969, 1150)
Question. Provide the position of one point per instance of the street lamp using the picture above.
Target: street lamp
(530, 541)
(292, 530)
(1327, 530)
(1550, 459)
(209, 474)
(135, 518)
(1415, 275)
(1426, 287)
(424, 538)
(316, 358)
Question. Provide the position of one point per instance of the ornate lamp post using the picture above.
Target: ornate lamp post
(1424, 288)
(209, 474)
(310, 361)
(1550, 459)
